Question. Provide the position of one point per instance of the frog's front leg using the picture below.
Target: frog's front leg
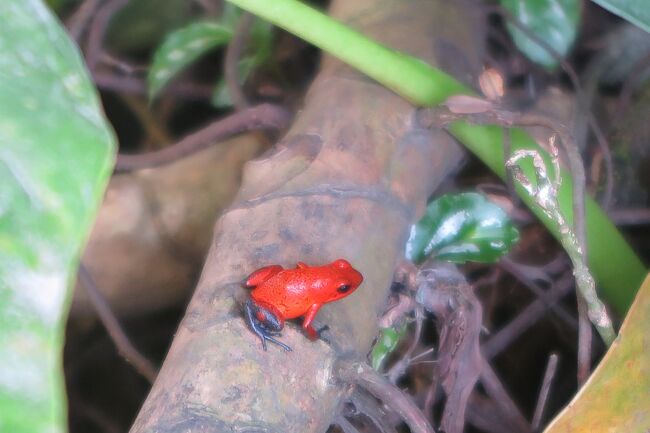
(264, 323)
(312, 333)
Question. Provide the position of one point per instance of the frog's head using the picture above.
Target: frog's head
(346, 279)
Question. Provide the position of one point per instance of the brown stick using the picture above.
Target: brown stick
(137, 86)
(98, 30)
(231, 62)
(528, 317)
(500, 396)
(77, 23)
(124, 346)
(364, 376)
(551, 367)
(260, 117)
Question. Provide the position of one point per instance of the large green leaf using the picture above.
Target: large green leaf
(55, 158)
(554, 21)
(181, 48)
(616, 398)
(635, 11)
(461, 227)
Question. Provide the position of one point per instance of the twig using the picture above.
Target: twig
(630, 217)
(549, 374)
(507, 150)
(345, 425)
(635, 76)
(115, 331)
(513, 269)
(362, 375)
(137, 86)
(98, 30)
(78, 21)
(494, 388)
(527, 318)
(264, 116)
(585, 337)
(544, 193)
(368, 406)
(483, 414)
(155, 132)
(231, 62)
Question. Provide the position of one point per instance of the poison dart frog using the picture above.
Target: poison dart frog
(280, 294)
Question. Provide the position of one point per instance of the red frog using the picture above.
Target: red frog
(280, 294)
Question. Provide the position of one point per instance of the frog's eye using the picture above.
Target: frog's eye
(343, 288)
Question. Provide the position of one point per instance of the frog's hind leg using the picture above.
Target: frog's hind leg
(262, 329)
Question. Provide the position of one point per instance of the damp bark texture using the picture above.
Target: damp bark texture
(347, 181)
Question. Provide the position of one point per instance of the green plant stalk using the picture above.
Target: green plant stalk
(616, 267)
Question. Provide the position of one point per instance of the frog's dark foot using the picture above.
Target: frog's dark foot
(321, 336)
(264, 330)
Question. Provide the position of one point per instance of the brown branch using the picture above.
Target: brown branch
(137, 86)
(124, 346)
(231, 62)
(345, 425)
(527, 318)
(78, 21)
(368, 406)
(364, 376)
(98, 28)
(584, 341)
(630, 217)
(494, 388)
(524, 278)
(260, 117)
(549, 374)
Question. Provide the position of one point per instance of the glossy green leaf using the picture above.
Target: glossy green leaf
(616, 398)
(554, 21)
(462, 227)
(386, 343)
(55, 158)
(635, 11)
(181, 48)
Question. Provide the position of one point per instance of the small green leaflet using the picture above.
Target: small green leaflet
(553, 21)
(386, 343)
(460, 228)
(181, 48)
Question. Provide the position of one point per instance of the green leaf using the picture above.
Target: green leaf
(387, 342)
(462, 227)
(181, 48)
(55, 158)
(554, 21)
(635, 11)
(615, 398)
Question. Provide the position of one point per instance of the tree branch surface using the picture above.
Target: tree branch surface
(348, 180)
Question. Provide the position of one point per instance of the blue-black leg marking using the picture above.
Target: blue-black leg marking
(264, 330)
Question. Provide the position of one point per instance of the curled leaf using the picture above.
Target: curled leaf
(461, 227)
